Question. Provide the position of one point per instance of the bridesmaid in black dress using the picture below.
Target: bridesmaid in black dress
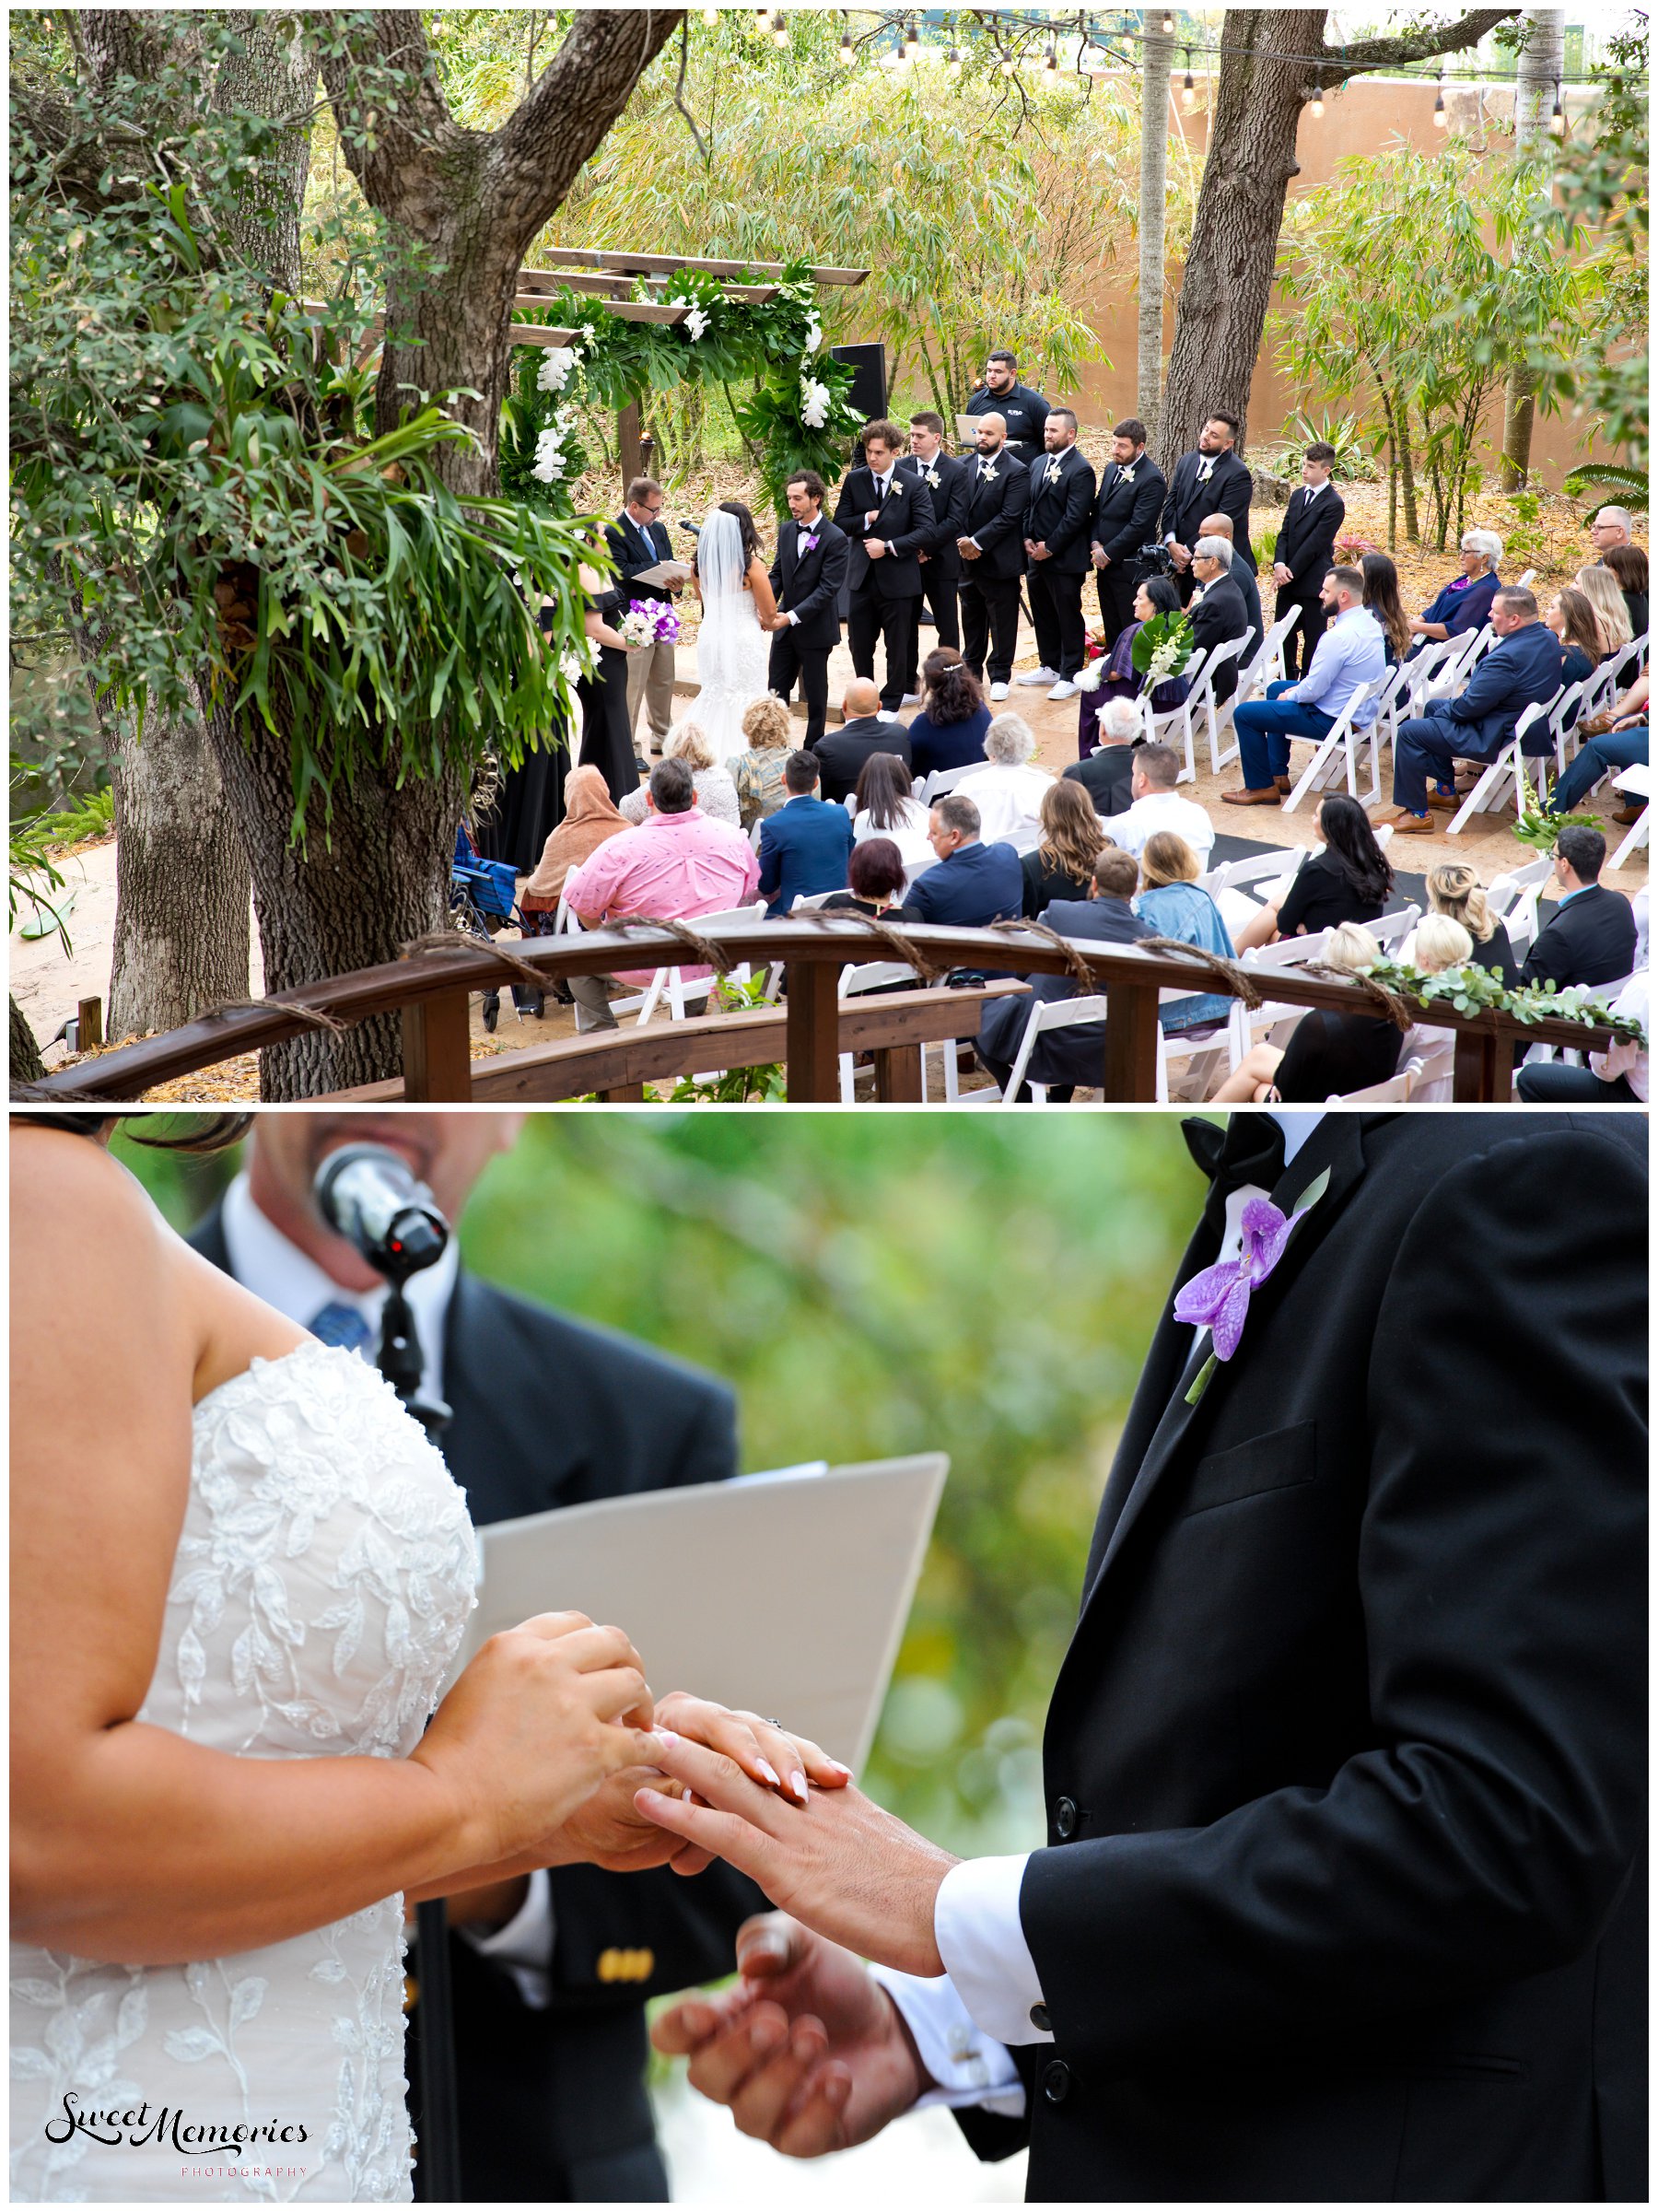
(606, 740)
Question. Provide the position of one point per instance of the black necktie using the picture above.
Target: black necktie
(1250, 1148)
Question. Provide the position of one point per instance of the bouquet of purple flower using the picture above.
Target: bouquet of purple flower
(650, 622)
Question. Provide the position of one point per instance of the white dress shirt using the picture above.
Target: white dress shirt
(1162, 809)
(1353, 650)
(263, 1259)
(965, 2021)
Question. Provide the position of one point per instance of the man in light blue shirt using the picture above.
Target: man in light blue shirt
(1352, 651)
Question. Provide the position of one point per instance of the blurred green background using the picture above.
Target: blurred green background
(873, 1284)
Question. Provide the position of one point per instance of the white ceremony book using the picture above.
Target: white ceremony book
(784, 1593)
(665, 572)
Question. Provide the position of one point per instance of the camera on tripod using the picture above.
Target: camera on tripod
(1154, 560)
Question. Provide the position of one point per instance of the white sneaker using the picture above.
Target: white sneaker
(1064, 689)
(998, 691)
(1039, 675)
(911, 699)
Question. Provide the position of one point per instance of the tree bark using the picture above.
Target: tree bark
(1251, 158)
(1156, 57)
(27, 1066)
(1541, 68)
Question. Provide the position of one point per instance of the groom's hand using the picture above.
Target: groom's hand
(808, 2051)
(838, 1862)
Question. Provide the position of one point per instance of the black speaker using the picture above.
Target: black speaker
(868, 393)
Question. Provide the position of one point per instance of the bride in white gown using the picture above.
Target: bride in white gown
(240, 1572)
(733, 645)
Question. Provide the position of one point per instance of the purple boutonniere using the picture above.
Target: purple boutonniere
(1219, 1298)
(808, 544)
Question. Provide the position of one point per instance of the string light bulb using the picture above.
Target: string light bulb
(1167, 25)
(1189, 91)
(847, 51)
(710, 16)
(1010, 63)
(763, 17)
(912, 40)
(953, 61)
(779, 27)
(1318, 101)
(1556, 122)
(1439, 103)
(1050, 61)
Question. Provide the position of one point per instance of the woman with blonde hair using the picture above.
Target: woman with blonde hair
(1599, 586)
(758, 773)
(1176, 904)
(1328, 1054)
(716, 792)
(1073, 837)
(1454, 890)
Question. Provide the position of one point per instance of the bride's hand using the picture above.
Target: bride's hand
(538, 1720)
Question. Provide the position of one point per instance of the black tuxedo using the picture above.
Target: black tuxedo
(1059, 515)
(1127, 516)
(1221, 614)
(941, 570)
(1344, 1765)
(633, 548)
(547, 1412)
(884, 594)
(996, 518)
(1590, 939)
(1306, 546)
(1226, 493)
(809, 585)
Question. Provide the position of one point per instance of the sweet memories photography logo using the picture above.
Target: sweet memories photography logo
(170, 2127)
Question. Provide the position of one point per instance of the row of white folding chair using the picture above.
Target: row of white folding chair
(1321, 769)
(1637, 781)
(1265, 665)
(1159, 726)
(1247, 1026)
(1046, 1015)
(944, 779)
(1507, 770)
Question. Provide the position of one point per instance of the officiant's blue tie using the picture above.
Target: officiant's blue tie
(340, 1324)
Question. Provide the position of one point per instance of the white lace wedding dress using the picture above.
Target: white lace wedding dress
(733, 653)
(324, 1571)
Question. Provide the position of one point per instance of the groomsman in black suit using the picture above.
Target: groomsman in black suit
(946, 480)
(888, 518)
(639, 538)
(1057, 524)
(1211, 477)
(1132, 492)
(993, 556)
(1305, 551)
(806, 580)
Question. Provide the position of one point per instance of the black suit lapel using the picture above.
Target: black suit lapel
(497, 1425)
(208, 1239)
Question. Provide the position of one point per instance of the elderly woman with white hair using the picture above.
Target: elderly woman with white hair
(1007, 791)
(1465, 602)
(714, 787)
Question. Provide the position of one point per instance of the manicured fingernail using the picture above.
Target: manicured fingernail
(796, 1781)
(770, 1772)
(835, 1768)
(667, 1738)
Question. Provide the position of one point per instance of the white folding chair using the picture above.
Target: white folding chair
(1518, 884)
(1506, 769)
(1267, 663)
(1267, 876)
(944, 779)
(1246, 1026)
(670, 983)
(1391, 930)
(1160, 725)
(1048, 1015)
(1214, 712)
(1320, 769)
(1527, 581)
(873, 975)
(1395, 1091)
(1638, 782)
(1433, 1054)
(807, 902)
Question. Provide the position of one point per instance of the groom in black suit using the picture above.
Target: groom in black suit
(888, 518)
(1342, 1893)
(806, 579)
(551, 1981)
(1212, 480)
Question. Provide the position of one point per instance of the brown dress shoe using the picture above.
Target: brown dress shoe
(1626, 816)
(1406, 824)
(1269, 797)
(1446, 799)
(1282, 783)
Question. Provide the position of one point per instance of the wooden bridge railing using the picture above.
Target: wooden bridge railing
(808, 1032)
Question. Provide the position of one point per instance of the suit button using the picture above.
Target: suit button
(1055, 2082)
(1039, 2018)
(1065, 1819)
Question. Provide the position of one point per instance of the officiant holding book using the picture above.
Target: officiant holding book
(639, 541)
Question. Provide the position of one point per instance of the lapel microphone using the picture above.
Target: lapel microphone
(370, 1196)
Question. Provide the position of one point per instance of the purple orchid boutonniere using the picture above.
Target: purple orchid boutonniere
(808, 544)
(1219, 1298)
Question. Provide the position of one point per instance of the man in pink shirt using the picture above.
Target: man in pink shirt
(676, 865)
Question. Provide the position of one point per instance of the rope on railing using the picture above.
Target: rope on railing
(1086, 980)
(1239, 982)
(512, 969)
(1388, 1003)
(896, 943)
(311, 1017)
(705, 953)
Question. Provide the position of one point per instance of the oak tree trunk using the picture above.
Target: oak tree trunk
(27, 1066)
(1542, 65)
(1156, 57)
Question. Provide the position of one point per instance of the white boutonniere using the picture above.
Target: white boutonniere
(1052, 473)
(932, 477)
(897, 490)
(990, 474)
(1197, 595)
(1127, 475)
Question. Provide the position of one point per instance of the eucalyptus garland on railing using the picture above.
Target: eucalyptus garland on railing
(798, 414)
(1472, 989)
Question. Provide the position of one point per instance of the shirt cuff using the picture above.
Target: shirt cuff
(524, 1947)
(792, 615)
(982, 1942)
(966, 2067)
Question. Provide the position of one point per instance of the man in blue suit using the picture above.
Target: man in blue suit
(805, 846)
(1521, 670)
(973, 885)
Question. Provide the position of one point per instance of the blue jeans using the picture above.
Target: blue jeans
(1264, 728)
(1423, 746)
(1617, 749)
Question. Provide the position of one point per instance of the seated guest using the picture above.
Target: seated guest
(1599, 586)
(1328, 1054)
(949, 733)
(1107, 773)
(758, 773)
(1619, 1075)
(1522, 668)
(1436, 943)
(1465, 601)
(876, 877)
(1574, 621)
(716, 792)
(1062, 864)
(1613, 526)
(1122, 682)
(1628, 567)
(1454, 890)
(865, 729)
(1249, 589)
(1352, 651)
(1383, 600)
(1591, 937)
(1007, 791)
(591, 817)
(1155, 804)
(1348, 880)
(1217, 609)
(1176, 905)
(1065, 1056)
(1619, 741)
(888, 808)
(805, 846)
(974, 883)
(676, 865)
